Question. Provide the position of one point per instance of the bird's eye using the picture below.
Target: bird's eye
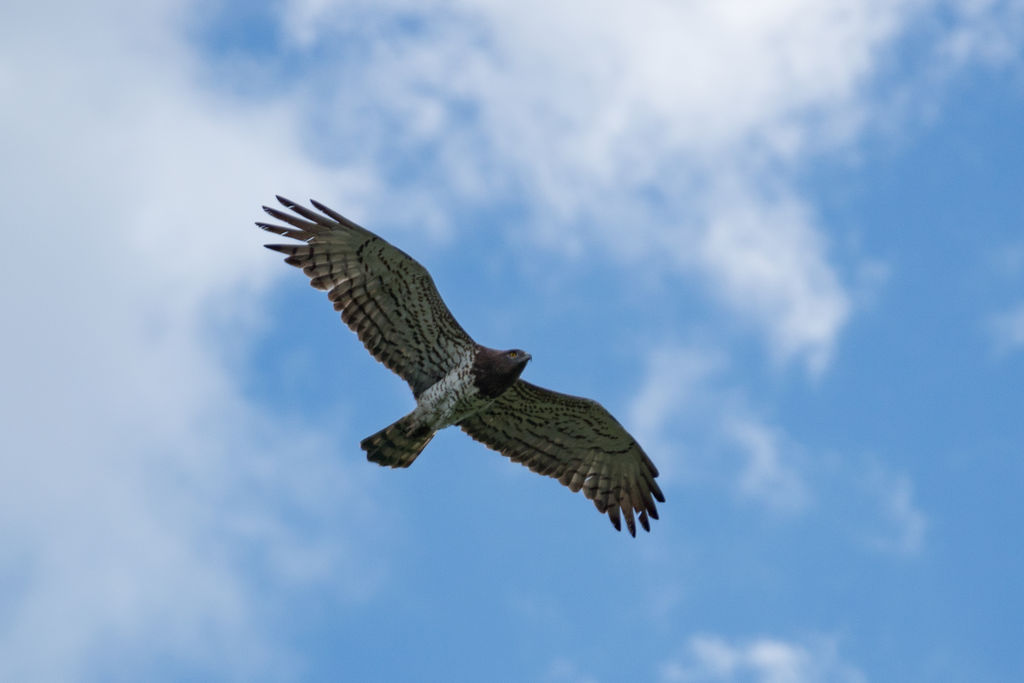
(512, 354)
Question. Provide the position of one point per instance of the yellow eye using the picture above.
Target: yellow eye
(512, 354)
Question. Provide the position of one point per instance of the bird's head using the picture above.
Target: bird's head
(517, 357)
(496, 370)
(514, 362)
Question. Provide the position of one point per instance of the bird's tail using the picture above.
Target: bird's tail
(398, 444)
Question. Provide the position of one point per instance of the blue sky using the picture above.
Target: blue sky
(781, 241)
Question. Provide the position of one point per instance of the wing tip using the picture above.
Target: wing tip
(334, 215)
(288, 250)
(285, 202)
(283, 231)
(656, 491)
(320, 206)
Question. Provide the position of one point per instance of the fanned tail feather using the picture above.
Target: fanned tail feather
(398, 444)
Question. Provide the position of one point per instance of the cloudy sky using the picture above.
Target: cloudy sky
(781, 241)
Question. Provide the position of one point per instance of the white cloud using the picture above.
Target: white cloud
(686, 406)
(667, 134)
(769, 474)
(768, 261)
(675, 383)
(145, 505)
(702, 429)
(902, 524)
(709, 659)
(663, 132)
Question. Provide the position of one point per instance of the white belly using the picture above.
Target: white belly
(452, 399)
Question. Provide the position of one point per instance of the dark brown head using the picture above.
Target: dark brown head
(495, 371)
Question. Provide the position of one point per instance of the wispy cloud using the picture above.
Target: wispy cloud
(666, 135)
(144, 506)
(710, 659)
(984, 30)
(768, 261)
(691, 413)
(768, 475)
(675, 384)
(902, 525)
(663, 134)
(686, 410)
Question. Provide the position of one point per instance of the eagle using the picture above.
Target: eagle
(390, 301)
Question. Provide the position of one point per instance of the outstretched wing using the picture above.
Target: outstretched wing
(386, 297)
(576, 441)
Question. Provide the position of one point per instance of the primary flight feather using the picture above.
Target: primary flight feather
(389, 300)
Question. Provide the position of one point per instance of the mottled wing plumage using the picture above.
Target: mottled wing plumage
(576, 441)
(386, 297)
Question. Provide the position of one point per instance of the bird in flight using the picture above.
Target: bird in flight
(389, 300)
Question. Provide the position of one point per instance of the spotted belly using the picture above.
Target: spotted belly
(450, 400)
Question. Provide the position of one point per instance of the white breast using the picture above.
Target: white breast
(451, 399)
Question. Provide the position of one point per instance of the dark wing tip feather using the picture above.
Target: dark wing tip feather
(644, 522)
(278, 214)
(283, 231)
(656, 490)
(320, 206)
(627, 512)
(285, 202)
(333, 214)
